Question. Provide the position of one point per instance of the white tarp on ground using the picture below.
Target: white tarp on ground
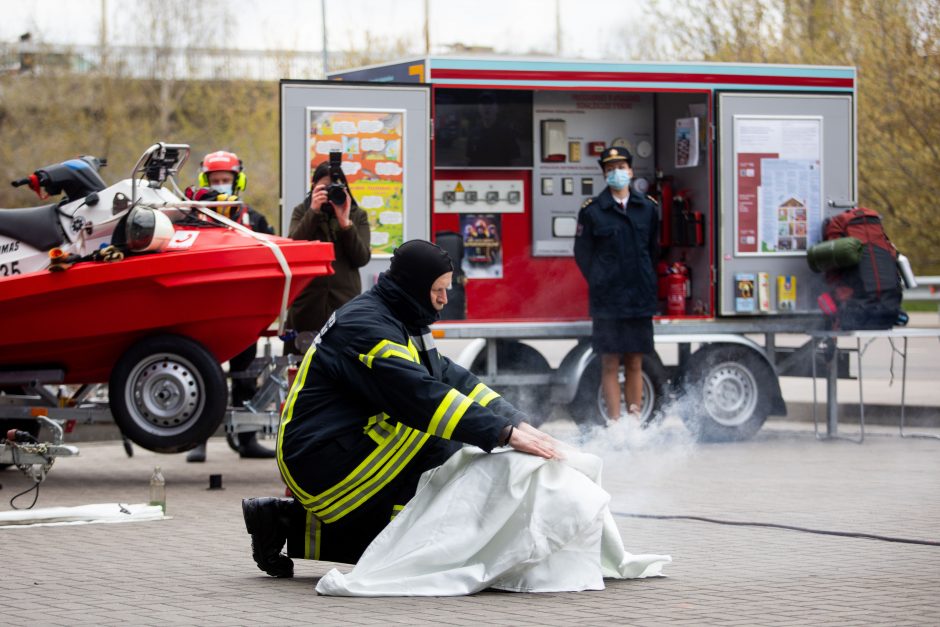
(506, 520)
(94, 513)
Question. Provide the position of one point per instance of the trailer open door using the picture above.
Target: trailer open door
(783, 158)
(384, 132)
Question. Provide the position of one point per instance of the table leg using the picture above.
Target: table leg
(861, 399)
(832, 390)
(904, 399)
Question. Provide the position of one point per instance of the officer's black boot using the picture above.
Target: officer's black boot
(267, 520)
(250, 448)
(198, 454)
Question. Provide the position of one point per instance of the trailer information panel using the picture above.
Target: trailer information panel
(778, 184)
(782, 156)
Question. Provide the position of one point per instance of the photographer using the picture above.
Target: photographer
(341, 222)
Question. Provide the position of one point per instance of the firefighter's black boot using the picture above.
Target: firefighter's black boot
(250, 448)
(267, 520)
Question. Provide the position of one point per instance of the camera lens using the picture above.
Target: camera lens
(336, 194)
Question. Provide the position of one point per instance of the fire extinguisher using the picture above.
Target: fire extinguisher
(677, 290)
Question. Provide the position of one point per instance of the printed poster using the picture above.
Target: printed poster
(687, 142)
(482, 245)
(745, 292)
(371, 142)
(777, 184)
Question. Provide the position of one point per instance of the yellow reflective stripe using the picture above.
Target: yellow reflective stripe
(479, 390)
(455, 417)
(396, 509)
(448, 414)
(376, 459)
(379, 429)
(483, 391)
(441, 411)
(312, 530)
(368, 357)
(307, 524)
(286, 417)
(408, 353)
(397, 353)
(353, 500)
(489, 397)
(414, 351)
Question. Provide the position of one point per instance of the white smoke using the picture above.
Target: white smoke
(639, 460)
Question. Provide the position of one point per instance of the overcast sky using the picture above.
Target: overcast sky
(590, 28)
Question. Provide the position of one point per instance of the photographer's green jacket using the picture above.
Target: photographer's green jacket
(373, 401)
(352, 248)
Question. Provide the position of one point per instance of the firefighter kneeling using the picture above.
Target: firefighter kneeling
(373, 406)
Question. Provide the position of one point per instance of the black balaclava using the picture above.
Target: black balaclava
(416, 264)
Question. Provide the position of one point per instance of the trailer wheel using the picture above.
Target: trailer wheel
(168, 394)
(589, 408)
(513, 357)
(727, 391)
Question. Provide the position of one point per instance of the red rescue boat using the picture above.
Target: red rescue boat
(134, 286)
(223, 292)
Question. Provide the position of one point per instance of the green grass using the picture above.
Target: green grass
(920, 305)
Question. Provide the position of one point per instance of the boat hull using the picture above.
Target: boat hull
(223, 291)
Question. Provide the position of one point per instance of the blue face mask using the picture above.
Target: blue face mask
(223, 189)
(618, 178)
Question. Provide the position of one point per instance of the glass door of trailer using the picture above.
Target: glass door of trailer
(384, 133)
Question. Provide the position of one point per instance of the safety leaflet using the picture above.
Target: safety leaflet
(777, 184)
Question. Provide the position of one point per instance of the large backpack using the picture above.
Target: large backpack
(867, 295)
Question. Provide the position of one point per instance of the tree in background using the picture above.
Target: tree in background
(894, 46)
(121, 101)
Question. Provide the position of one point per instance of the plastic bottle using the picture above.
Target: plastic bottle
(158, 489)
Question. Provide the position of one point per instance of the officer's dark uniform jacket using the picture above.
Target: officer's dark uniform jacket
(371, 400)
(616, 251)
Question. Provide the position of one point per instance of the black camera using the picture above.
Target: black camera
(336, 191)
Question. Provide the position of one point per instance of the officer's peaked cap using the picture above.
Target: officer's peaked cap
(615, 154)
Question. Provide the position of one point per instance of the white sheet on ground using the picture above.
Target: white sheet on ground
(506, 520)
(81, 514)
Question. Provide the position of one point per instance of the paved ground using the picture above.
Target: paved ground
(195, 567)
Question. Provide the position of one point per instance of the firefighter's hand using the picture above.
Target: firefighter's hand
(527, 439)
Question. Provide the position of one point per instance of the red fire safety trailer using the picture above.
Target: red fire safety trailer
(493, 158)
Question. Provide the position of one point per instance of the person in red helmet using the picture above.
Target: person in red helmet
(222, 174)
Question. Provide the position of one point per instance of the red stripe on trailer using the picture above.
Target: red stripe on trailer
(649, 77)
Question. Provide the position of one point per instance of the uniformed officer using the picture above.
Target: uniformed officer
(373, 406)
(616, 248)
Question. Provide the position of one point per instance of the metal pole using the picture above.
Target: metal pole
(832, 390)
(558, 28)
(427, 27)
(323, 13)
(103, 35)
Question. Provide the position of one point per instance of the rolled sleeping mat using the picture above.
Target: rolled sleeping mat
(843, 252)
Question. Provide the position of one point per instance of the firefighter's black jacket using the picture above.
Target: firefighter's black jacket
(370, 394)
(616, 251)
